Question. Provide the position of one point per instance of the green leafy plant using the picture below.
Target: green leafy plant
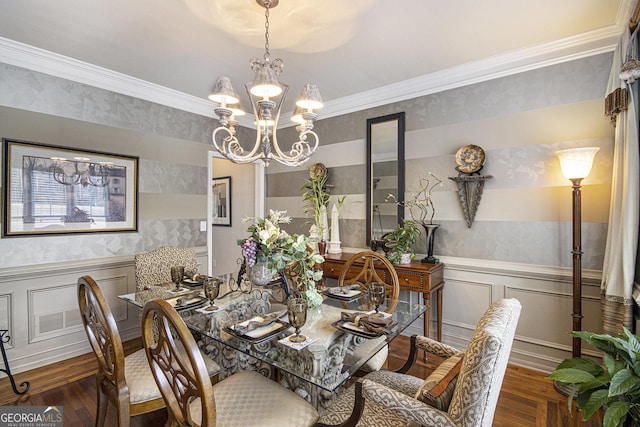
(316, 195)
(614, 386)
(401, 240)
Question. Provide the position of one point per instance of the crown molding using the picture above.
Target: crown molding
(43, 61)
(518, 61)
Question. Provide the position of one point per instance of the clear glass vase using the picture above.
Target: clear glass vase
(260, 274)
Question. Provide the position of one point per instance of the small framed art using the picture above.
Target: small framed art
(221, 201)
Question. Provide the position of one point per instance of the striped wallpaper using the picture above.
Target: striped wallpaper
(519, 120)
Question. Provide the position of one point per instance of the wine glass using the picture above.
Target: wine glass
(177, 274)
(297, 311)
(211, 291)
(377, 293)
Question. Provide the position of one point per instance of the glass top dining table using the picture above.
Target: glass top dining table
(332, 352)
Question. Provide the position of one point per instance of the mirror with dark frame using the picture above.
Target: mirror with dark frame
(385, 175)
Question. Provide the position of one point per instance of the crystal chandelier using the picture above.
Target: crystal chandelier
(267, 95)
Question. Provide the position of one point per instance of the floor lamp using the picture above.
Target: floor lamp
(576, 164)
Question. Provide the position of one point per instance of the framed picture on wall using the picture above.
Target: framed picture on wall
(221, 201)
(58, 190)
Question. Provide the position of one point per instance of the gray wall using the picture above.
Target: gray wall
(172, 146)
(519, 120)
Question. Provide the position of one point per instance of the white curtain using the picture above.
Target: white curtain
(619, 267)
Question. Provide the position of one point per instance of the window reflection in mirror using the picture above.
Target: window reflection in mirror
(385, 174)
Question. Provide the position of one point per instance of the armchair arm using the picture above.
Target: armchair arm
(436, 347)
(405, 406)
(430, 346)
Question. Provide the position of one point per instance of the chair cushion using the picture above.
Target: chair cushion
(248, 399)
(376, 362)
(406, 384)
(142, 385)
(137, 373)
(212, 367)
(437, 388)
(340, 407)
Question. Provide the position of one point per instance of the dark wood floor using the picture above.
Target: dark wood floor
(527, 398)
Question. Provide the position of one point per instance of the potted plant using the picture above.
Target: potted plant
(422, 205)
(316, 198)
(614, 386)
(400, 242)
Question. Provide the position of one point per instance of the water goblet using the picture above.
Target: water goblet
(297, 311)
(377, 293)
(211, 291)
(177, 274)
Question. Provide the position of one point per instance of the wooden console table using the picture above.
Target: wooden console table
(416, 277)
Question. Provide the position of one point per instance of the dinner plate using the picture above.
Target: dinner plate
(261, 334)
(347, 296)
(187, 303)
(351, 328)
(191, 283)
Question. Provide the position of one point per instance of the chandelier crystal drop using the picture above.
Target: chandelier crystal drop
(267, 95)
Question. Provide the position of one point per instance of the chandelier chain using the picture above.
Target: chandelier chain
(266, 30)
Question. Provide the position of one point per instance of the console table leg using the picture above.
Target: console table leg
(4, 338)
(439, 313)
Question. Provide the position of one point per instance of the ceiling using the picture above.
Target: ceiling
(359, 52)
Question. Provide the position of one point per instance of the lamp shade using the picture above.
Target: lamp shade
(310, 97)
(576, 162)
(223, 92)
(296, 116)
(265, 84)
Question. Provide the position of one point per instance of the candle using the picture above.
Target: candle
(335, 228)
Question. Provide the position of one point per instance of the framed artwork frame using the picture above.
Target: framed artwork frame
(221, 201)
(48, 189)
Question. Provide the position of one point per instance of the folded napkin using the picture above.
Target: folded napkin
(256, 322)
(370, 322)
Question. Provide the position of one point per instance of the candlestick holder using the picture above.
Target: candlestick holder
(334, 248)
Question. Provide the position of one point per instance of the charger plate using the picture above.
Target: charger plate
(261, 334)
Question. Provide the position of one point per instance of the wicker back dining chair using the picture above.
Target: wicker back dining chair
(375, 268)
(154, 267)
(243, 399)
(125, 381)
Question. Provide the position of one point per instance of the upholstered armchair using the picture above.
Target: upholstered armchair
(462, 392)
(154, 267)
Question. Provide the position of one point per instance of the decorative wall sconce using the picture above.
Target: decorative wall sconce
(469, 161)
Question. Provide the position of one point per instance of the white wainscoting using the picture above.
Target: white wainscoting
(542, 339)
(34, 295)
(39, 307)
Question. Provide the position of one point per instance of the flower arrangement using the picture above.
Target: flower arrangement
(422, 200)
(285, 254)
(266, 235)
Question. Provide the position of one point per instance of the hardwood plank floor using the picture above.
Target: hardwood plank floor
(527, 399)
